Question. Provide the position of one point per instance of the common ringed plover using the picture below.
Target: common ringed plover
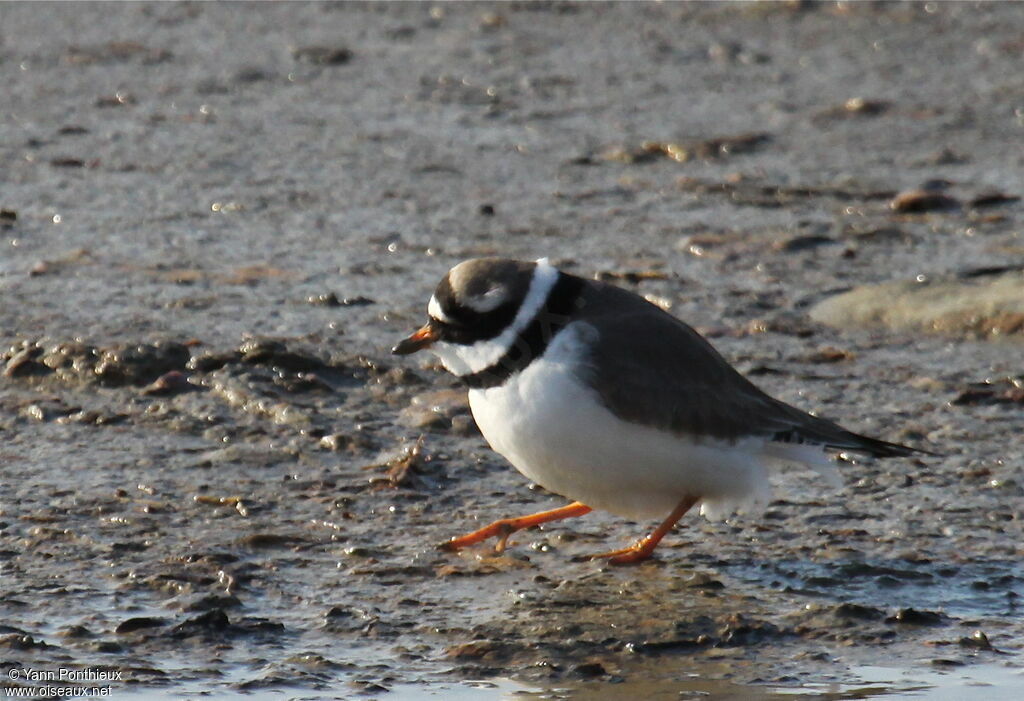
(598, 395)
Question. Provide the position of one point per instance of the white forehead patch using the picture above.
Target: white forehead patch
(434, 311)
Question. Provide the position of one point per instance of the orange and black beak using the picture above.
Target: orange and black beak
(424, 338)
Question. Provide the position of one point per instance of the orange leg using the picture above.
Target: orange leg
(645, 546)
(505, 527)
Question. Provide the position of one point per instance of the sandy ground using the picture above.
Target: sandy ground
(218, 218)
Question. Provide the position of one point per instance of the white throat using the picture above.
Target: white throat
(465, 360)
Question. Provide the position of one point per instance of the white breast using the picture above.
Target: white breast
(554, 430)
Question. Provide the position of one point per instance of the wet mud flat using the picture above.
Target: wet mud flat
(217, 220)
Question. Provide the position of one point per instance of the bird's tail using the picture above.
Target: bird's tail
(878, 448)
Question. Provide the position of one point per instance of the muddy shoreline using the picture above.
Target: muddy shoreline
(217, 219)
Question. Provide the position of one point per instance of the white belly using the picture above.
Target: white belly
(553, 429)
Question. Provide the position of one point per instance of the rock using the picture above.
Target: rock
(67, 162)
(479, 650)
(115, 52)
(107, 646)
(785, 322)
(681, 152)
(324, 299)
(71, 361)
(357, 301)
(208, 602)
(982, 307)
(400, 376)
(853, 107)
(330, 299)
(425, 419)
(437, 410)
(701, 580)
(859, 105)
(139, 364)
(323, 55)
(858, 612)
(20, 642)
(76, 632)
(588, 670)
(118, 99)
(253, 74)
(264, 541)
(208, 362)
(301, 382)
(464, 426)
(264, 351)
(923, 200)
(46, 410)
(25, 362)
(741, 631)
(214, 620)
(977, 641)
(992, 199)
(173, 382)
(910, 616)
(335, 441)
(142, 623)
(803, 243)
(1009, 390)
(829, 354)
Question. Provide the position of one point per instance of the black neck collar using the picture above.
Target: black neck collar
(532, 341)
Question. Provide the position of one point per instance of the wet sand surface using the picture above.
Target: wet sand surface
(217, 219)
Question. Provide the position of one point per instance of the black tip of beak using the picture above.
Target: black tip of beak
(417, 342)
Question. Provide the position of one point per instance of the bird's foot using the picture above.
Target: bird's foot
(501, 529)
(627, 556)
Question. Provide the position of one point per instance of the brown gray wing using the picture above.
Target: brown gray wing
(650, 368)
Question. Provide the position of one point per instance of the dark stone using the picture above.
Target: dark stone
(141, 364)
(978, 641)
(26, 363)
(169, 384)
(804, 243)
(214, 601)
(142, 623)
(914, 617)
(18, 641)
(357, 301)
(856, 611)
(108, 646)
(323, 55)
(208, 362)
(588, 670)
(993, 199)
(276, 354)
(923, 200)
(327, 299)
(213, 621)
(67, 163)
